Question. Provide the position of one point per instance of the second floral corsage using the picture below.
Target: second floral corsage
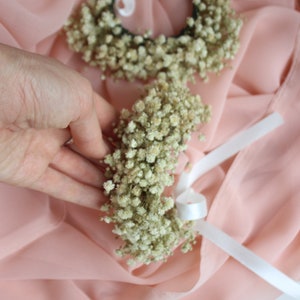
(150, 138)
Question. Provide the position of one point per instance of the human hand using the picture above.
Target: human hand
(42, 105)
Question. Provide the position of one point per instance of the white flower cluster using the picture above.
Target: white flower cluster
(151, 136)
(208, 42)
(155, 131)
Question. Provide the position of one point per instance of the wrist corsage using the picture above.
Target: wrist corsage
(150, 138)
(208, 41)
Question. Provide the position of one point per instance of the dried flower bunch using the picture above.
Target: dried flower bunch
(208, 41)
(151, 136)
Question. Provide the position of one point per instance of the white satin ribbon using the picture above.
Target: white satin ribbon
(195, 208)
(286, 297)
(250, 260)
(192, 206)
(125, 7)
(230, 148)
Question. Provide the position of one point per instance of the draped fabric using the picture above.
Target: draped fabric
(50, 249)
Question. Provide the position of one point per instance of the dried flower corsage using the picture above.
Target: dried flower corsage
(208, 41)
(151, 136)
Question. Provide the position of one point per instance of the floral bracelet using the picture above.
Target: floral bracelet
(151, 137)
(208, 41)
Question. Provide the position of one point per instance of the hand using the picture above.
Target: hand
(42, 105)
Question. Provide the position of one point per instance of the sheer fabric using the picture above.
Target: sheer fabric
(55, 250)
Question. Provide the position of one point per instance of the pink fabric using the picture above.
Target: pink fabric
(55, 250)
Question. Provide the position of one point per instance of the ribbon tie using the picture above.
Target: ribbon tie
(192, 206)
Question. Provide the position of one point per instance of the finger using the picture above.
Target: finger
(106, 113)
(87, 136)
(61, 186)
(77, 167)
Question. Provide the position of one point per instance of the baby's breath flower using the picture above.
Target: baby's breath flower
(201, 137)
(108, 186)
(143, 216)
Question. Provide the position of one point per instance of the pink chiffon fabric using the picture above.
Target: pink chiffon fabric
(55, 250)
